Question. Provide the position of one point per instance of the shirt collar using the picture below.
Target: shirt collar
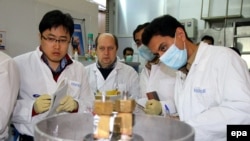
(109, 67)
(63, 63)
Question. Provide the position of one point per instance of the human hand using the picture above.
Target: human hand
(42, 103)
(67, 104)
(153, 107)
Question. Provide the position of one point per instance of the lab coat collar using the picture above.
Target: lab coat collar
(202, 52)
(39, 52)
(191, 59)
(66, 60)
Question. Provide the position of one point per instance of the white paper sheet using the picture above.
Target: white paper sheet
(142, 102)
(57, 96)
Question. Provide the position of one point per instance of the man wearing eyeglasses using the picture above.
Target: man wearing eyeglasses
(43, 70)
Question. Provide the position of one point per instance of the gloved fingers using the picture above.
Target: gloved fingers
(147, 111)
(45, 108)
(148, 103)
(152, 101)
(153, 107)
(69, 108)
(67, 104)
(46, 102)
(70, 105)
(41, 108)
(44, 97)
(65, 99)
(42, 103)
(59, 108)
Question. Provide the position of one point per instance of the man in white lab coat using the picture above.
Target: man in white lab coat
(216, 90)
(108, 73)
(143, 59)
(151, 73)
(42, 71)
(9, 83)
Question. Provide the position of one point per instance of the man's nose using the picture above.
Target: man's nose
(160, 53)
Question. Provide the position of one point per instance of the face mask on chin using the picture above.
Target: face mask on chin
(146, 53)
(174, 57)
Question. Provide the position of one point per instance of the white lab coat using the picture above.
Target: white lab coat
(161, 79)
(37, 78)
(9, 82)
(123, 77)
(215, 93)
(143, 62)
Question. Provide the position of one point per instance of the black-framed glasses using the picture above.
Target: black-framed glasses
(54, 40)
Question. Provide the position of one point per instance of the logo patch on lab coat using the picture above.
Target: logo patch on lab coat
(199, 90)
(75, 84)
(74, 88)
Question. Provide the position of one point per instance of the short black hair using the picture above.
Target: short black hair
(139, 28)
(165, 25)
(129, 49)
(115, 38)
(207, 37)
(56, 18)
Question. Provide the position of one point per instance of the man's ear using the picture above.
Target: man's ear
(180, 33)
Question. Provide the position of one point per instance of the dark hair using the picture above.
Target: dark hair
(129, 49)
(56, 18)
(165, 25)
(139, 28)
(115, 38)
(207, 37)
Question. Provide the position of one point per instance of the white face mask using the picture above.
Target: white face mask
(174, 57)
(146, 53)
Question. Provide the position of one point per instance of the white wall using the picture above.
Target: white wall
(20, 20)
(180, 9)
(186, 9)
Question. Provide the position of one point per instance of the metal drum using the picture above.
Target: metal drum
(79, 127)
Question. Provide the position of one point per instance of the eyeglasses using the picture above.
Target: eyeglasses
(54, 40)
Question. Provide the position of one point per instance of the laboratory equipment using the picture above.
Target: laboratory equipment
(79, 127)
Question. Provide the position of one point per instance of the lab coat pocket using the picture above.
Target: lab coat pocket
(74, 88)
